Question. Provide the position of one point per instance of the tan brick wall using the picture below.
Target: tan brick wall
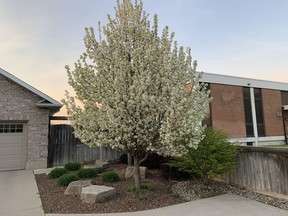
(272, 104)
(17, 103)
(227, 109)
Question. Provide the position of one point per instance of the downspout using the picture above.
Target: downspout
(254, 118)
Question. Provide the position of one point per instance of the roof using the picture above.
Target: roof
(46, 102)
(241, 81)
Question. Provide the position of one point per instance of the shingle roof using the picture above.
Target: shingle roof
(46, 102)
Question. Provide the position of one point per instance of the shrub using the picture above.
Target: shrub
(72, 166)
(214, 156)
(147, 186)
(87, 173)
(57, 172)
(153, 161)
(143, 185)
(123, 159)
(65, 179)
(175, 194)
(131, 188)
(173, 173)
(110, 176)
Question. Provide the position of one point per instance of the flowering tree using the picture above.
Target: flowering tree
(131, 82)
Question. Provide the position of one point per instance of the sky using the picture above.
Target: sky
(247, 38)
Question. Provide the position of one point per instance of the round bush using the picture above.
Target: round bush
(65, 179)
(110, 176)
(87, 173)
(57, 172)
(72, 166)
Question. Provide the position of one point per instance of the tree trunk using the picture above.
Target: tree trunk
(137, 174)
(205, 179)
(129, 159)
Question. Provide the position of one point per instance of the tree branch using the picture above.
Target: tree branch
(144, 158)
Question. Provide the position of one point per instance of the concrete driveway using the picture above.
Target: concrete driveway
(19, 197)
(19, 194)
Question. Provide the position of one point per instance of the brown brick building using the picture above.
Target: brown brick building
(24, 124)
(252, 112)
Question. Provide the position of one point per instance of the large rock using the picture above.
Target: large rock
(75, 187)
(97, 194)
(130, 172)
(99, 165)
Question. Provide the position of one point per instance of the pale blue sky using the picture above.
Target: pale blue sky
(247, 38)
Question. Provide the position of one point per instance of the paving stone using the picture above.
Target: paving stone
(75, 187)
(97, 194)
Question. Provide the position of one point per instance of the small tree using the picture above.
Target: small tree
(214, 156)
(131, 83)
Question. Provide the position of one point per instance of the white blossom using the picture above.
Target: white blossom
(131, 82)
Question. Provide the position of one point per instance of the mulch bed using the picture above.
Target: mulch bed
(166, 193)
(54, 200)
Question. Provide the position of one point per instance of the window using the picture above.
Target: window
(248, 112)
(284, 97)
(11, 128)
(259, 112)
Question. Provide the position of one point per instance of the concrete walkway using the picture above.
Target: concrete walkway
(19, 194)
(19, 197)
(223, 205)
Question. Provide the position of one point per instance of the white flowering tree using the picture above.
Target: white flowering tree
(131, 83)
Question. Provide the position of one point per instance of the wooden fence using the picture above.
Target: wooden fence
(263, 169)
(64, 147)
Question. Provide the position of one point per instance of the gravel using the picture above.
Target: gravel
(193, 190)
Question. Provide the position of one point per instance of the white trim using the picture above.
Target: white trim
(241, 81)
(285, 107)
(260, 139)
(53, 102)
(254, 116)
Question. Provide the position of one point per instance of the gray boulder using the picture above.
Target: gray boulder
(97, 194)
(130, 172)
(75, 187)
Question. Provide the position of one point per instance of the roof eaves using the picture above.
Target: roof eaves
(30, 88)
(242, 81)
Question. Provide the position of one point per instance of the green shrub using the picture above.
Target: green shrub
(110, 176)
(131, 188)
(214, 156)
(87, 173)
(175, 194)
(65, 179)
(147, 186)
(143, 185)
(72, 166)
(57, 172)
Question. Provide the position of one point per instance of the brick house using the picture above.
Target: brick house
(24, 123)
(252, 112)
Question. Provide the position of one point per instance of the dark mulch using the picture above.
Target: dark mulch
(54, 200)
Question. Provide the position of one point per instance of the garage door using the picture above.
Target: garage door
(12, 147)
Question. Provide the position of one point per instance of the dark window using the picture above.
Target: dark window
(248, 112)
(284, 97)
(259, 112)
(11, 128)
(249, 143)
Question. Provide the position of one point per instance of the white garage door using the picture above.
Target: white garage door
(12, 146)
